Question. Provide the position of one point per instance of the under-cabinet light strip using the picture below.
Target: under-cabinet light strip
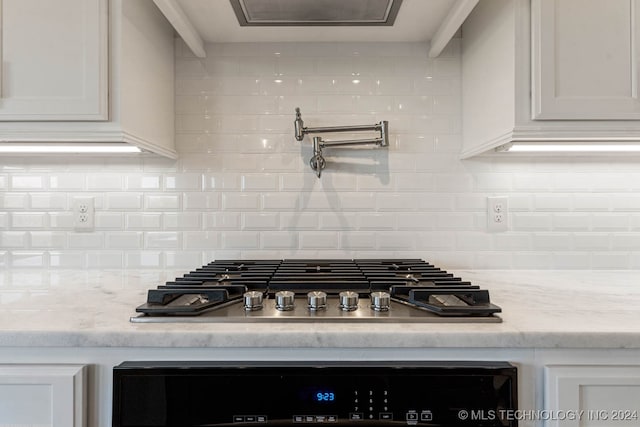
(68, 148)
(570, 148)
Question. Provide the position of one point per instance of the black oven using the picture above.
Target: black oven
(197, 393)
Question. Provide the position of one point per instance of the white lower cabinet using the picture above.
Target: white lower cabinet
(592, 395)
(42, 395)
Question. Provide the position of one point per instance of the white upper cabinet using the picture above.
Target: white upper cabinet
(584, 59)
(87, 71)
(54, 60)
(550, 70)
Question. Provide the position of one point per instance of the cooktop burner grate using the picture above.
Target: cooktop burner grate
(395, 290)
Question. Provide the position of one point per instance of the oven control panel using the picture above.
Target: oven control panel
(189, 394)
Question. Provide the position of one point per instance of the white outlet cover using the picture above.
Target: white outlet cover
(497, 213)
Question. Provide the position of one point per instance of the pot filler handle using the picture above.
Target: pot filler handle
(317, 162)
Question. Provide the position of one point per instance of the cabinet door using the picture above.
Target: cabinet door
(584, 59)
(592, 396)
(42, 395)
(54, 60)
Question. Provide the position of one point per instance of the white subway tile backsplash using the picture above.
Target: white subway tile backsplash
(625, 202)
(281, 201)
(27, 182)
(299, 221)
(143, 221)
(28, 259)
(85, 240)
(125, 201)
(48, 239)
(531, 221)
(571, 221)
(394, 241)
(10, 201)
(591, 202)
(416, 221)
(319, 240)
(473, 241)
(552, 241)
(241, 201)
(259, 182)
(143, 259)
(14, 239)
(182, 221)
(69, 181)
(162, 240)
(435, 240)
(222, 220)
(279, 240)
(242, 186)
(61, 220)
(105, 259)
(241, 240)
(555, 202)
(358, 240)
(183, 259)
(513, 241)
(610, 222)
(205, 240)
(338, 220)
(592, 241)
(376, 221)
(164, 202)
(28, 220)
(624, 241)
(533, 260)
(261, 221)
(124, 240)
(571, 260)
(454, 221)
(70, 260)
(143, 182)
(611, 260)
(109, 220)
(221, 181)
(48, 201)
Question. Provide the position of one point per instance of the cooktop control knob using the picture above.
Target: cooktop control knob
(284, 300)
(252, 300)
(348, 300)
(317, 300)
(380, 301)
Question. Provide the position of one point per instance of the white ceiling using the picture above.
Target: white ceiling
(417, 20)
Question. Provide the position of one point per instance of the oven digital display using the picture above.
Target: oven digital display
(324, 396)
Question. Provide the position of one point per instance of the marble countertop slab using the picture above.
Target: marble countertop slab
(540, 309)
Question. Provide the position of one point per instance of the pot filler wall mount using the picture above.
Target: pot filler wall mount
(317, 162)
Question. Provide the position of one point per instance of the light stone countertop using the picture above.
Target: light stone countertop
(540, 309)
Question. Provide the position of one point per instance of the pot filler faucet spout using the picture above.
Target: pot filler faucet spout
(317, 162)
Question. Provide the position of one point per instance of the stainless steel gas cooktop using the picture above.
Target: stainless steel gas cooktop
(318, 290)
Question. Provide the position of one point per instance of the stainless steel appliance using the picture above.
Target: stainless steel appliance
(190, 394)
(369, 290)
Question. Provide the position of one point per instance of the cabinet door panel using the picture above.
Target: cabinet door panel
(42, 395)
(584, 60)
(594, 396)
(54, 60)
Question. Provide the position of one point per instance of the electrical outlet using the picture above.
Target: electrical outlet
(497, 213)
(83, 213)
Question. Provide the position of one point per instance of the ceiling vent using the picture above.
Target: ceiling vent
(315, 12)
